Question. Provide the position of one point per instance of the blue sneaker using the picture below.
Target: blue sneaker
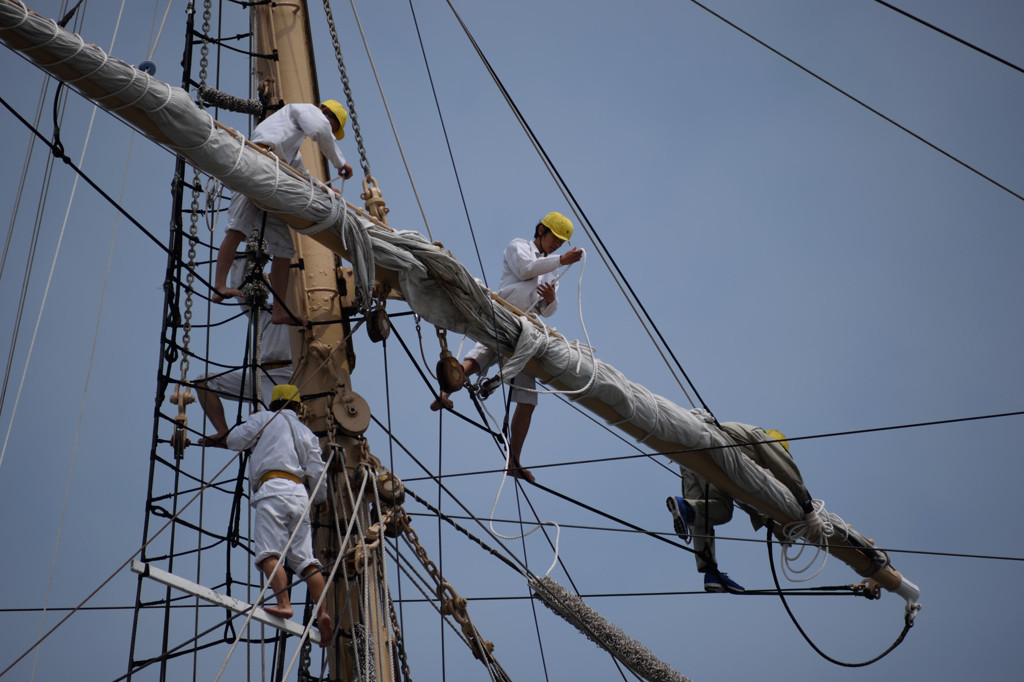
(716, 581)
(682, 517)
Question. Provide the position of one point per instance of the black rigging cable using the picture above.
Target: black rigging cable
(648, 455)
(57, 151)
(951, 36)
(792, 438)
(908, 621)
(451, 154)
(651, 455)
(862, 103)
(599, 243)
(671, 534)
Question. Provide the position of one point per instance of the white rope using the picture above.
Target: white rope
(794, 543)
(46, 289)
(56, 33)
(328, 582)
(338, 209)
(88, 375)
(156, 42)
(385, 587)
(511, 369)
(357, 523)
(198, 495)
(279, 567)
(497, 496)
(116, 94)
(387, 109)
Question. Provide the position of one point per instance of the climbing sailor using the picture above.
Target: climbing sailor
(703, 506)
(281, 133)
(285, 461)
(237, 384)
(527, 282)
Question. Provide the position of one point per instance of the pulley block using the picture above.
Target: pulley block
(450, 373)
(391, 489)
(378, 325)
(352, 413)
(350, 410)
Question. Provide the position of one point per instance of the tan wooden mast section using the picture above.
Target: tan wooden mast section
(322, 291)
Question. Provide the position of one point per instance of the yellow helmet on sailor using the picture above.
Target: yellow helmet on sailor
(559, 225)
(334, 106)
(779, 436)
(286, 392)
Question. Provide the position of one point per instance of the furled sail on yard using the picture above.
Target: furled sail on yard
(435, 285)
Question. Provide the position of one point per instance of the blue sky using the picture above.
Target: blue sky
(814, 268)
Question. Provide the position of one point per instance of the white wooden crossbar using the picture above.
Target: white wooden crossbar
(236, 605)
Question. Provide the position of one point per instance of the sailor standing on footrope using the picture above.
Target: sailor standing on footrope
(527, 282)
(282, 134)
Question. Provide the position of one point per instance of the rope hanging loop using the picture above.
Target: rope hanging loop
(374, 199)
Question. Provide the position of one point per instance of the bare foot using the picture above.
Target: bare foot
(516, 471)
(280, 611)
(326, 628)
(214, 441)
(443, 401)
(221, 293)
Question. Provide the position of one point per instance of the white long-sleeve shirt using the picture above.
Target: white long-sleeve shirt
(524, 268)
(286, 444)
(288, 127)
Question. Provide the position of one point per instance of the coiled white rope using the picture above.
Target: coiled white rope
(514, 365)
(795, 542)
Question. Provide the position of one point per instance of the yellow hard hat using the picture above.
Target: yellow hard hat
(559, 225)
(334, 106)
(286, 392)
(779, 436)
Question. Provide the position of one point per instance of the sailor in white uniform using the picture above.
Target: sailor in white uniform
(527, 282)
(282, 133)
(285, 461)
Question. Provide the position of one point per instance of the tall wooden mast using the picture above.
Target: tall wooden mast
(322, 291)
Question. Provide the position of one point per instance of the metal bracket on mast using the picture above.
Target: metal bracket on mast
(236, 605)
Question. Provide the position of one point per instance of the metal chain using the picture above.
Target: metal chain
(183, 396)
(190, 279)
(364, 163)
(452, 604)
(306, 661)
(204, 61)
(204, 51)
